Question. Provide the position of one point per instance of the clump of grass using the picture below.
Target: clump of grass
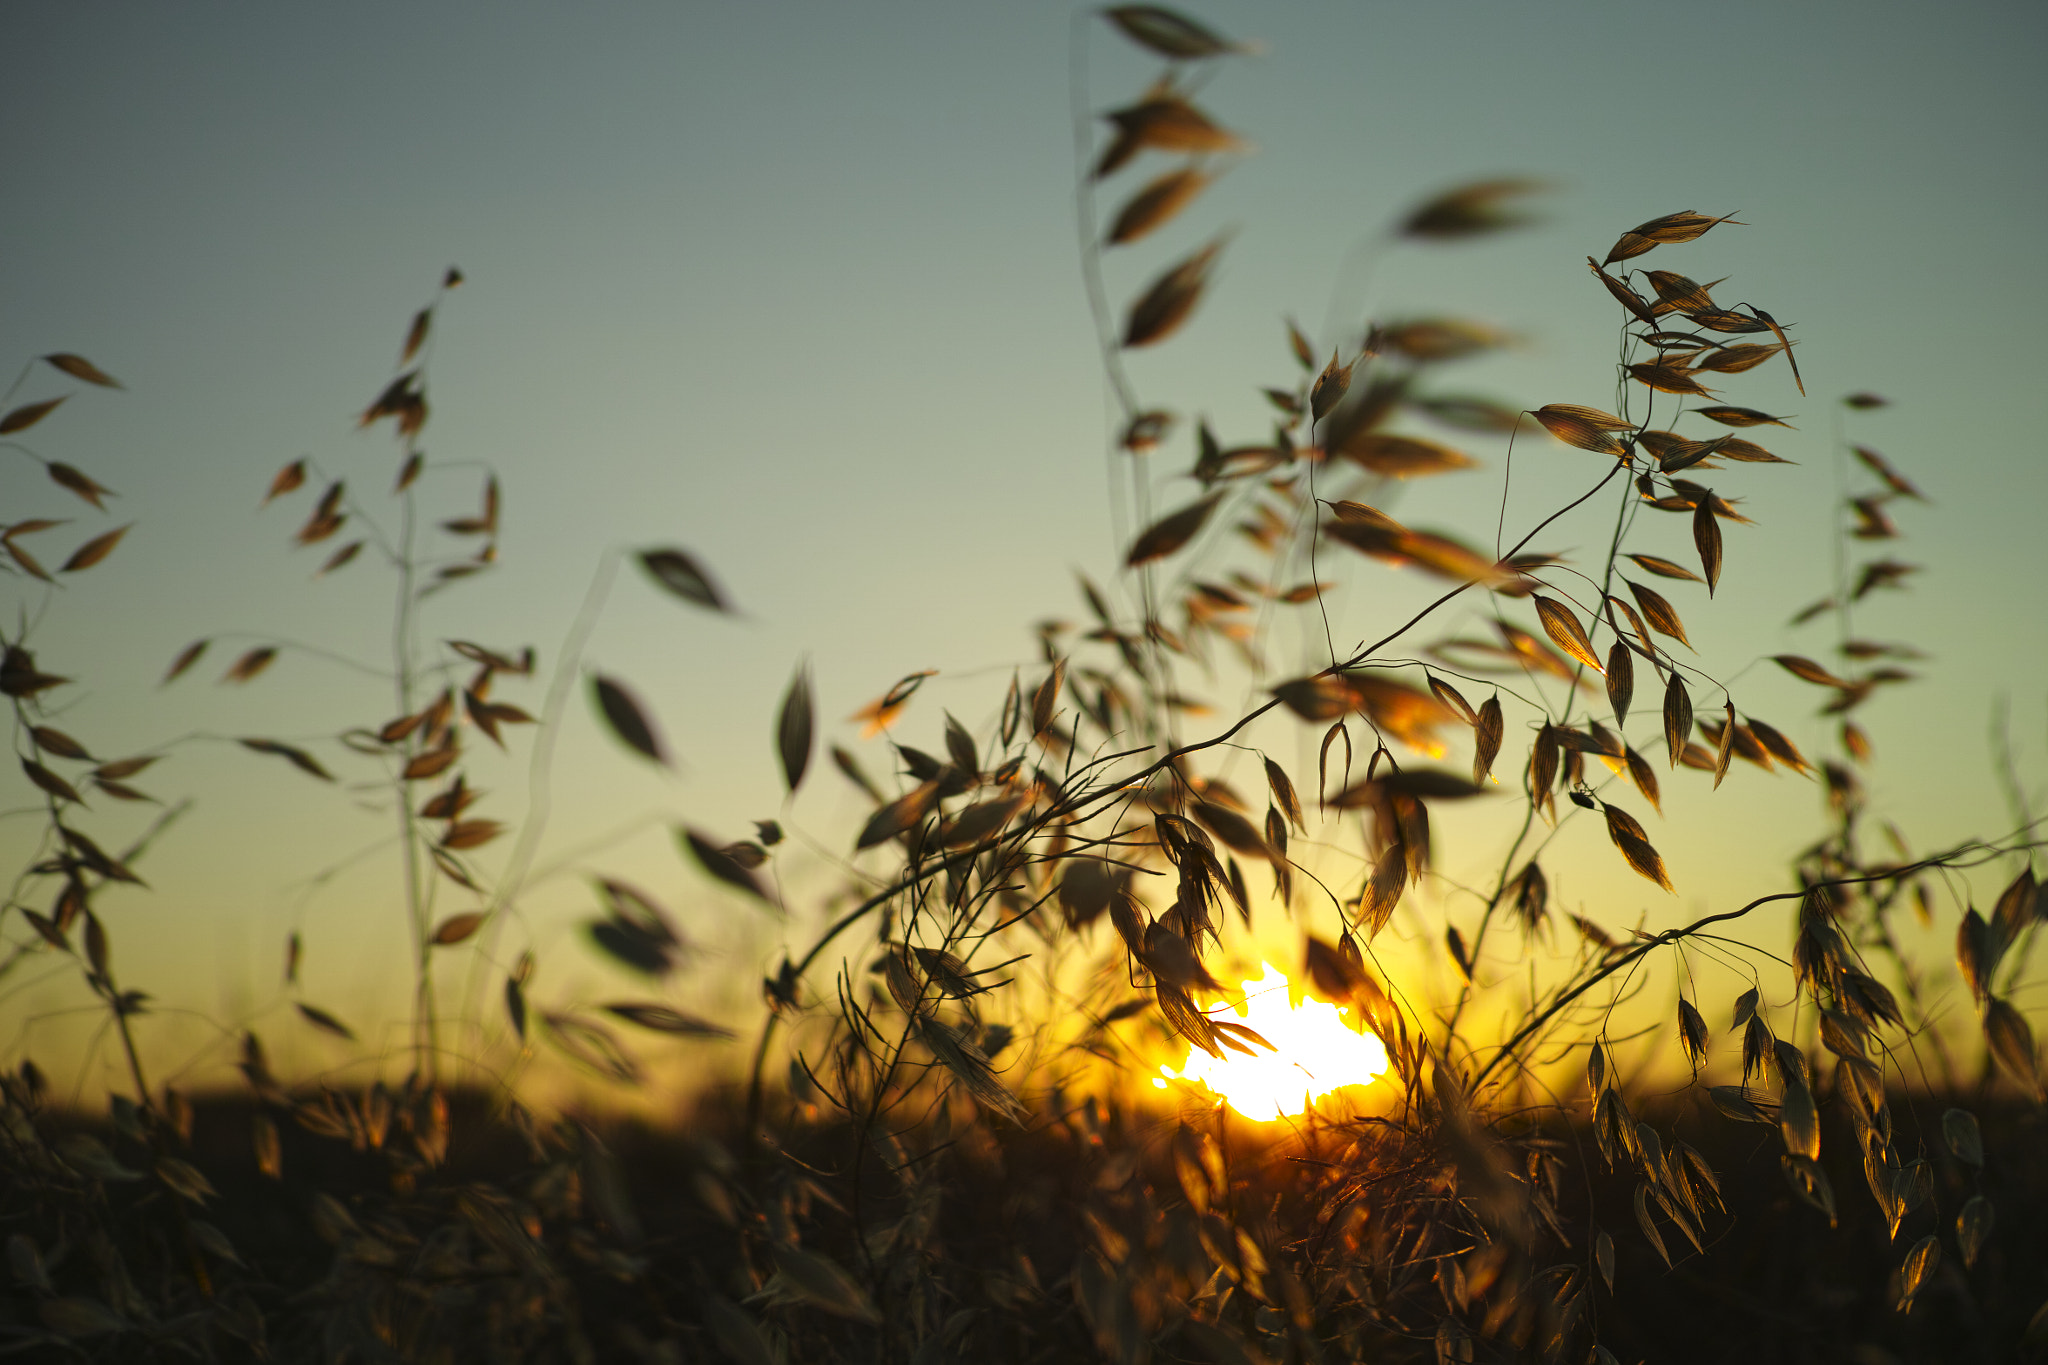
(937, 1153)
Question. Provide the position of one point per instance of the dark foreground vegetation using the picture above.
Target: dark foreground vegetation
(1102, 1232)
(1830, 1150)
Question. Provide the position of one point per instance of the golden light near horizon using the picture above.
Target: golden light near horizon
(1316, 1052)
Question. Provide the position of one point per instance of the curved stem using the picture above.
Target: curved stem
(833, 931)
(538, 803)
(425, 1051)
(1670, 936)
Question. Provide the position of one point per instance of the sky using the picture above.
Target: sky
(796, 288)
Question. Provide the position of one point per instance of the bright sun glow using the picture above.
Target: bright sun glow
(1315, 1052)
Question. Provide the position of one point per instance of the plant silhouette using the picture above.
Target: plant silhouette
(941, 1148)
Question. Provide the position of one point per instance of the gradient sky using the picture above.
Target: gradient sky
(795, 286)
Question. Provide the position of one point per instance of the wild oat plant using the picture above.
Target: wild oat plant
(957, 1140)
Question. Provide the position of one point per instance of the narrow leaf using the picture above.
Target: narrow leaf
(1382, 891)
(662, 1019)
(1322, 697)
(1706, 536)
(49, 781)
(1878, 465)
(1664, 568)
(1635, 846)
(1156, 204)
(1045, 698)
(457, 928)
(1451, 697)
(1973, 1228)
(243, 669)
(2012, 1043)
(28, 562)
(1694, 1034)
(1564, 628)
(1577, 431)
(626, 718)
(1168, 534)
(27, 415)
(906, 812)
(1486, 739)
(1740, 417)
(1164, 121)
(94, 550)
(1677, 717)
(1666, 378)
(1170, 34)
(187, 657)
(298, 758)
(1920, 1262)
(321, 1019)
(1645, 777)
(1468, 211)
(1658, 612)
(78, 367)
(1621, 680)
(1649, 1226)
(1329, 390)
(1726, 751)
(1959, 1128)
(1622, 294)
(416, 334)
(339, 558)
(1799, 1119)
(66, 477)
(54, 741)
(1804, 668)
(793, 728)
(1161, 310)
(1777, 745)
(1282, 788)
(724, 866)
(680, 574)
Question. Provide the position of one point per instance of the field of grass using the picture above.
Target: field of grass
(951, 1137)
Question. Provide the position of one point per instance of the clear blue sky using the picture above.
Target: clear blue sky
(795, 286)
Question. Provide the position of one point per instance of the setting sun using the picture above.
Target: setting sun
(1316, 1051)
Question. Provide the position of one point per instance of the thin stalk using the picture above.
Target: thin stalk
(1074, 807)
(833, 931)
(1500, 885)
(425, 1050)
(1844, 624)
(539, 799)
(55, 816)
(1634, 955)
(128, 1045)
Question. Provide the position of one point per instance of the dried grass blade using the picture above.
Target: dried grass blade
(1161, 310)
(1635, 846)
(1156, 204)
